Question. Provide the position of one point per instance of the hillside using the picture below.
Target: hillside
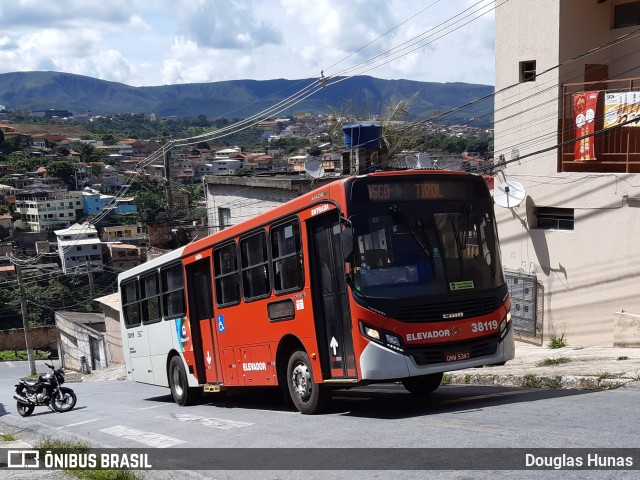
(239, 98)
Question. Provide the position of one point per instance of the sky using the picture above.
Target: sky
(164, 42)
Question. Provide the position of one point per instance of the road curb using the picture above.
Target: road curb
(579, 382)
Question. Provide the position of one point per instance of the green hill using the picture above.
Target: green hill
(241, 98)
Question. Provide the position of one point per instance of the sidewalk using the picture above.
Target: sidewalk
(113, 373)
(567, 367)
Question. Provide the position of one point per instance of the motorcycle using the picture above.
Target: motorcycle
(46, 391)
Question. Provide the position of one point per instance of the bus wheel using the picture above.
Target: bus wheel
(180, 390)
(307, 396)
(423, 385)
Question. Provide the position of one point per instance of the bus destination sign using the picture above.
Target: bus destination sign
(427, 189)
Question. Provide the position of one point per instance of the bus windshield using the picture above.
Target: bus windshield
(412, 249)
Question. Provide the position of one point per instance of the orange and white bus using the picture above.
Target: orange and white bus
(390, 276)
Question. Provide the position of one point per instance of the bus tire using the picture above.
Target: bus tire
(423, 385)
(308, 397)
(182, 394)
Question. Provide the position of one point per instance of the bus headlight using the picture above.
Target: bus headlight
(372, 333)
(389, 340)
(504, 324)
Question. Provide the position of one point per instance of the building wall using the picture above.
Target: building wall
(591, 272)
(42, 338)
(113, 336)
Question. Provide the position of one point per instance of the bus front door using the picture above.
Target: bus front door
(201, 321)
(329, 295)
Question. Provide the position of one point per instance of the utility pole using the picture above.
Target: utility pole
(90, 275)
(167, 173)
(25, 321)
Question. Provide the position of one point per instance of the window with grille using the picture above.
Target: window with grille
(528, 71)
(552, 218)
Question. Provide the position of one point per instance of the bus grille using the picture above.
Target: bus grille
(426, 355)
(435, 311)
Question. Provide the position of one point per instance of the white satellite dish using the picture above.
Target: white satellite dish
(509, 194)
(411, 161)
(313, 167)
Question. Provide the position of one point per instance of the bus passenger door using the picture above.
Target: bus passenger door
(201, 320)
(329, 293)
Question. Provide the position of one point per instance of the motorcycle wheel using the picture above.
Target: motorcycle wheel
(65, 401)
(24, 409)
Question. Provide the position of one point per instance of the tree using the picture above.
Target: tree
(86, 150)
(21, 163)
(62, 169)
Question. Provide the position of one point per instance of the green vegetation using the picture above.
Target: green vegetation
(446, 379)
(557, 342)
(9, 355)
(8, 437)
(550, 362)
(605, 375)
(47, 293)
(50, 445)
(531, 380)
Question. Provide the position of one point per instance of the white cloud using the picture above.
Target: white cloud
(184, 41)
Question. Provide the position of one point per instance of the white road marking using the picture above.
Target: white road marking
(78, 423)
(220, 423)
(152, 439)
(9, 364)
(151, 408)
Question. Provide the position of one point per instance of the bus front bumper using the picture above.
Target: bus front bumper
(380, 363)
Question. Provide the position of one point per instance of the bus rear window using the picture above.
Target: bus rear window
(173, 304)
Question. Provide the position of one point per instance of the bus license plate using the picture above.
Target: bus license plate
(457, 356)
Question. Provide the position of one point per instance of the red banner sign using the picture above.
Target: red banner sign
(584, 114)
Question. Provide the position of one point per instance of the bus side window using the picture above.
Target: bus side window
(255, 266)
(227, 279)
(287, 257)
(173, 304)
(131, 303)
(150, 294)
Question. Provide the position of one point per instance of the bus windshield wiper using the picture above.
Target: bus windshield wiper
(420, 236)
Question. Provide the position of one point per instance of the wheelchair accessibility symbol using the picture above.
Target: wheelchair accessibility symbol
(221, 323)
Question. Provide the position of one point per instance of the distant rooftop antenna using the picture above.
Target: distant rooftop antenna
(509, 194)
(313, 167)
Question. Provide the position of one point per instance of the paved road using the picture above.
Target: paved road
(130, 415)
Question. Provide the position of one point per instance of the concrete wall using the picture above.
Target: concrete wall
(113, 336)
(75, 343)
(42, 338)
(591, 272)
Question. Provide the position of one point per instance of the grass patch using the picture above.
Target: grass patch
(15, 355)
(557, 342)
(550, 362)
(62, 446)
(623, 357)
(8, 437)
(531, 380)
(605, 375)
